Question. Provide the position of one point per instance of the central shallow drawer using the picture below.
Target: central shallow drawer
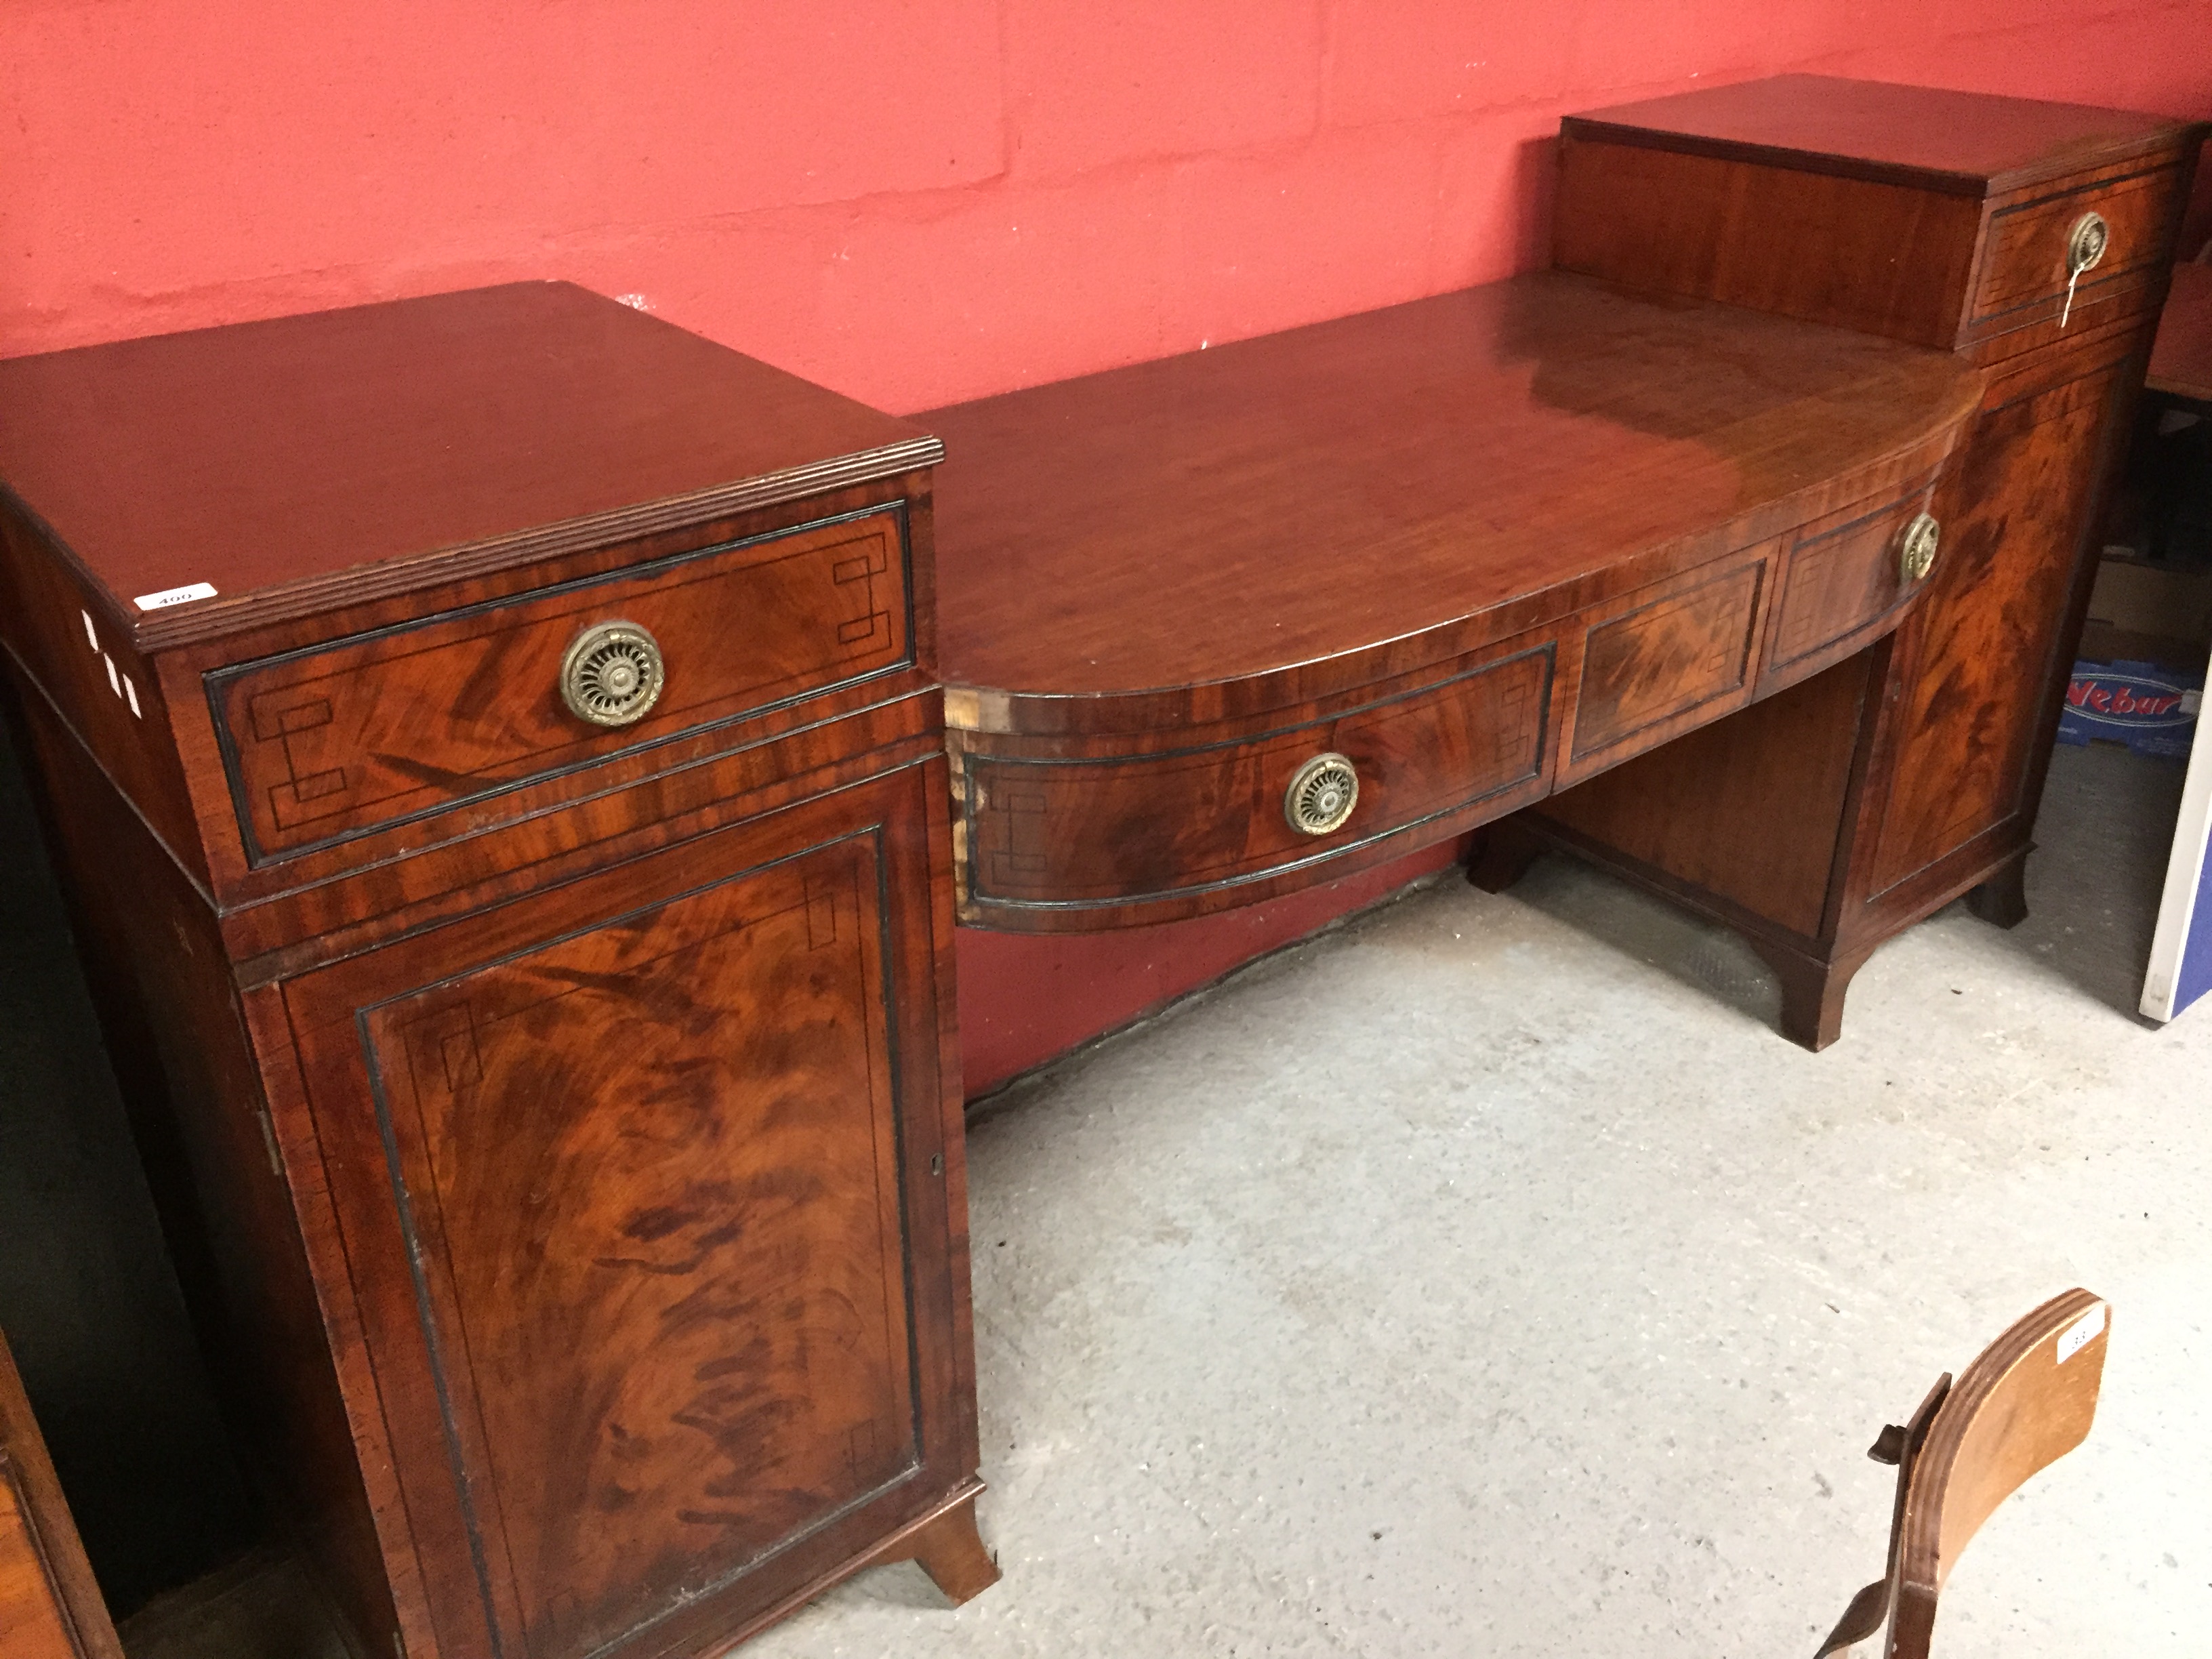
(1085, 833)
(322, 745)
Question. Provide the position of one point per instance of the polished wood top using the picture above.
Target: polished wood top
(1261, 505)
(2181, 360)
(306, 462)
(1961, 143)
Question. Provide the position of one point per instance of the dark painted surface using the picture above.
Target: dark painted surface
(87, 1297)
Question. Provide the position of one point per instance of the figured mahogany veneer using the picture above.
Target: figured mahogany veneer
(1939, 217)
(1927, 216)
(557, 1126)
(331, 741)
(1480, 545)
(2181, 360)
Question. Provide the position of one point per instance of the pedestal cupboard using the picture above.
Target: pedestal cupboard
(2033, 239)
(491, 747)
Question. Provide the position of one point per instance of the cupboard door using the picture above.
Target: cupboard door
(2014, 515)
(643, 1184)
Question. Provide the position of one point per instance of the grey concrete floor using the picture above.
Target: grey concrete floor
(1487, 1278)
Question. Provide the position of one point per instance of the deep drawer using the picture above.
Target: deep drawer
(1086, 832)
(2025, 250)
(327, 744)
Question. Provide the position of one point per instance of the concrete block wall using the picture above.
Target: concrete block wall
(911, 203)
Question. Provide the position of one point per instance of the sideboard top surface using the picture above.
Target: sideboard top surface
(1281, 501)
(304, 462)
(1962, 143)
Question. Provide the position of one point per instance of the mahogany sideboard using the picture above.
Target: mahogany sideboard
(2034, 239)
(514, 806)
(490, 747)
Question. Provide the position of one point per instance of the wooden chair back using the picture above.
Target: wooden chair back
(2026, 1401)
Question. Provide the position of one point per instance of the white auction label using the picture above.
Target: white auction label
(170, 596)
(2077, 1335)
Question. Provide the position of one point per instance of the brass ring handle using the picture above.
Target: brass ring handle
(1322, 795)
(1915, 548)
(2085, 246)
(2085, 242)
(613, 674)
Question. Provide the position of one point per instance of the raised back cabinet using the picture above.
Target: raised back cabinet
(493, 749)
(2032, 240)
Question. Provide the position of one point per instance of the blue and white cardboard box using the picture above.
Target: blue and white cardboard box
(2150, 707)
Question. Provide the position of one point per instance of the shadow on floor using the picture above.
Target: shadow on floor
(2093, 885)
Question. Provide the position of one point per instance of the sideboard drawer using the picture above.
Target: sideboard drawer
(1842, 578)
(1085, 833)
(324, 744)
(2026, 249)
(1664, 658)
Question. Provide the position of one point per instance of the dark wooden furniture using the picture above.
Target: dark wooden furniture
(550, 1090)
(2181, 357)
(50, 1608)
(2025, 1402)
(1454, 554)
(2031, 239)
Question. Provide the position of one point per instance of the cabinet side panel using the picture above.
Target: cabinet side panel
(108, 694)
(188, 1079)
(1855, 253)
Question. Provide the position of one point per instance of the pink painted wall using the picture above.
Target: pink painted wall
(911, 203)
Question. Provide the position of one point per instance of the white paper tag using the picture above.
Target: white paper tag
(114, 683)
(2077, 1335)
(131, 692)
(91, 634)
(168, 597)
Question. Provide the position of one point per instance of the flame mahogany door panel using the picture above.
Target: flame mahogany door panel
(2015, 513)
(645, 1191)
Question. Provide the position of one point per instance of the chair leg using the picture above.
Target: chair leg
(1868, 1611)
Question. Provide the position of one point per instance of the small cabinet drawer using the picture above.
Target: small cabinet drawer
(1082, 833)
(333, 742)
(2027, 248)
(1842, 579)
